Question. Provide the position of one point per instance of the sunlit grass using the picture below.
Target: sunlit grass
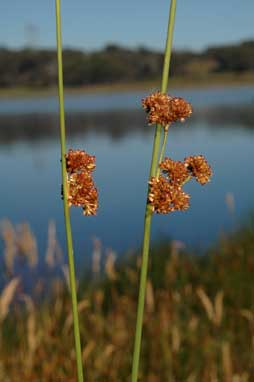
(198, 321)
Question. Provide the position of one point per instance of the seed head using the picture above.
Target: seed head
(91, 205)
(164, 109)
(81, 189)
(180, 199)
(175, 170)
(83, 193)
(157, 107)
(160, 195)
(166, 197)
(78, 160)
(198, 166)
(179, 109)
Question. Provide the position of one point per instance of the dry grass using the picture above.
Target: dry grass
(199, 321)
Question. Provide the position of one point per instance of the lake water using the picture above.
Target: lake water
(112, 126)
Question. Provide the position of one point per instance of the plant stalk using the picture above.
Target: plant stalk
(72, 276)
(165, 136)
(148, 212)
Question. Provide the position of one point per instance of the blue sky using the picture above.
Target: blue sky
(91, 24)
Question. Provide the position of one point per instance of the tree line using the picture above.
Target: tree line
(116, 64)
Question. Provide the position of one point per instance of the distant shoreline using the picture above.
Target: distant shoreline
(215, 80)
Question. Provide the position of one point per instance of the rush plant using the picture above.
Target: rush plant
(167, 177)
(78, 189)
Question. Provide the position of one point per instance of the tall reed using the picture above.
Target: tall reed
(148, 212)
(72, 276)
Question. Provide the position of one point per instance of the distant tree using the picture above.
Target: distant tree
(114, 63)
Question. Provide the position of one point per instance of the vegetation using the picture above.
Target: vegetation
(65, 192)
(155, 162)
(167, 177)
(120, 65)
(198, 322)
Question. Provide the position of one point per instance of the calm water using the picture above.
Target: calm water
(113, 128)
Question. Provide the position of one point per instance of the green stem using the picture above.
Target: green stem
(148, 212)
(72, 276)
(168, 49)
(162, 151)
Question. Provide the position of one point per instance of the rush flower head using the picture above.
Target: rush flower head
(165, 191)
(81, 189)
(179, 109)
(160, 195)
(78, 160)
(164, 109)
(166, 197)
(198, 166)
(175, 170)
(157, 107)
(83, 193)
(91, 203)
(180, 199)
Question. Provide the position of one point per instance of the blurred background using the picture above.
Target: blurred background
(113, 55)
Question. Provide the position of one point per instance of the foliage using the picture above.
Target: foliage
(116, 64)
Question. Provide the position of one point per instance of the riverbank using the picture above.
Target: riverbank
(213, 80)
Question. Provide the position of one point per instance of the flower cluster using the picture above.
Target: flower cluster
(165, 196)
(165, 191)
(81, 189)
(78, 160)
(176, 171)
(199, 168)
(164, 109)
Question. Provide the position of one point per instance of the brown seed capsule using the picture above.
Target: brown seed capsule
(180, 199)
(165, 197)
(164, 109)
(157, 107)
(91, 204)
(160, 195)
(175, 170)
(82, 192)
(81, 189)
(198, 166)
(78, 160)
(179, 109)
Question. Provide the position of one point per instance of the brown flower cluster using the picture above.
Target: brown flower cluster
(78, 160)
(166, 197)
(164, 109)
(179, 109)
(175, 170)
(198, 167)
(81, 189)
(157, 107)
(166, 193)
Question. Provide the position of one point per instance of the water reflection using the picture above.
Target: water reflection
(34, 127)
(115, 124)
(122, 143)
